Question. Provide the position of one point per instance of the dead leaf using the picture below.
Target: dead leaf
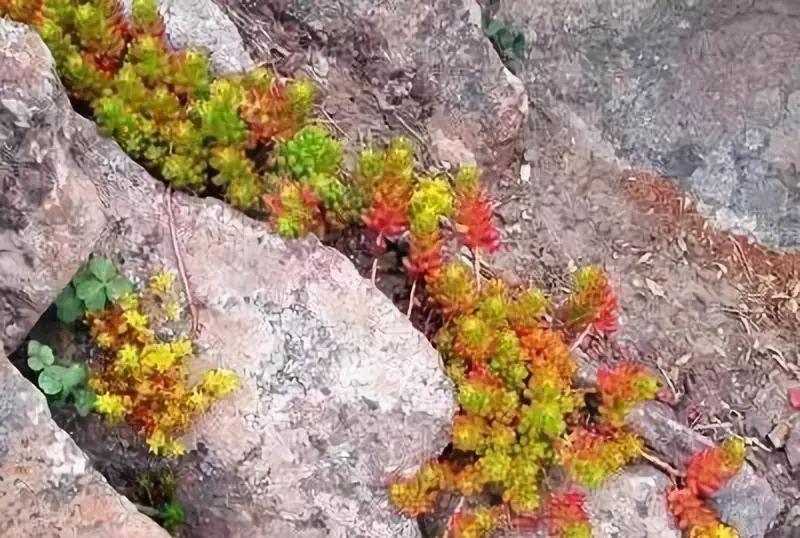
(645, 257)
(683, 359)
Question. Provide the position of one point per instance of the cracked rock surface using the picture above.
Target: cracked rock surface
(47, 486)
(339, 392)
(703, 91)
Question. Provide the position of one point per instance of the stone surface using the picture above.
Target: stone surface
(339, 392)
(748, 503)
(705, 91)
(46, 213)
(793, 446)
(658, 426)
(201, 24)
(420, 69)
(47, 486)
(632, 505)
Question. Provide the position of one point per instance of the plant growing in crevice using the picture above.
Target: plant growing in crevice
(60, 382)
(96, 284)
(142, 378)
(507, 42)
(157, 492)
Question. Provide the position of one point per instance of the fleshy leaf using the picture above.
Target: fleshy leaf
(34, 346)
(73, 376)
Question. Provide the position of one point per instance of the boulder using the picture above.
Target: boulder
(704, 92)
(424, 69)
(47, 486)
(339, 392)
(632, 504)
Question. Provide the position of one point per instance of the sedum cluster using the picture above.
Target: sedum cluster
(706, 473)
(143, 379)
(162, 105)
(520, 417)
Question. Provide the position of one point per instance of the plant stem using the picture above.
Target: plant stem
(181, 268)
(411, 298)
(374, 270)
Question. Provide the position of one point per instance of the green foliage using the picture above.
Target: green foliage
(508, 43)
(171, 516)
(158, 489)
(58, 381)
(96, 285)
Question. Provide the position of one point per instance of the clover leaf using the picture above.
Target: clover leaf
(68, 307)
(95, 283)
(39, 356)
(50, 380)
(84, 400)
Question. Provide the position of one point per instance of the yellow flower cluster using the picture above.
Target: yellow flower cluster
(145, 379)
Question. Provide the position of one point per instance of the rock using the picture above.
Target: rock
(748, 503)
(793, 446)
(339, 392)
(657, 425)
(47, 487)
(202, 24)
(425, 65)
(703, 91)
(47, 212)
(632, 504)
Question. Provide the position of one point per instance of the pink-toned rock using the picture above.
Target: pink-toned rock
(47, 486)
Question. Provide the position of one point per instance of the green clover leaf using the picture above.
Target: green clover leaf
(68, 307)
(73, 376)
(39, 356)
(118, 287)
(50, 380)
(102, 268)
(93, 294)
(84, 400)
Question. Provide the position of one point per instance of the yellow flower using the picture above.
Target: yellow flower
(136, 320)
(129, 301)
(104, 340)
(718, 530)
(112, 406)
(181, 348)
(218, 383)
(162, 445)
(172, 311)
(97, 385)
(197, 401)
(162, 282)
(127, 358)
(158, 357)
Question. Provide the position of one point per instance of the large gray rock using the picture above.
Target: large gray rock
(47, 486)
(201, 24)
(632, 504)
(422, 69)
(705, 91)
(339, 392)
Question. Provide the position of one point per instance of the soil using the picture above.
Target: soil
(714, 314)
